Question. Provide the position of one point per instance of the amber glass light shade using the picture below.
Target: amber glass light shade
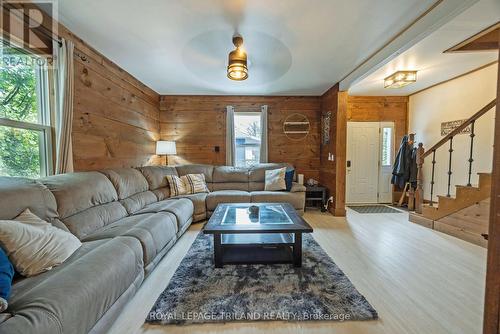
(237, 64)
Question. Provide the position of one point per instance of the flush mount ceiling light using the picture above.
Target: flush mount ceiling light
(400, 79)
(237, 65)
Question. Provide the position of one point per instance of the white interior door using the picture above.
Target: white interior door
(363, 147)
(386, 161)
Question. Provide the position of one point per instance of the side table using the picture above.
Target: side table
(316, 195)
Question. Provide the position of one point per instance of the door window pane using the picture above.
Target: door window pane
(386, 147)
(20, 152)
(247, 131)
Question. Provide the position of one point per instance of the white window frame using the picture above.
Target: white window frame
(245, 113)
(43, 127)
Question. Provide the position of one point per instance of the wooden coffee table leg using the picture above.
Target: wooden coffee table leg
(217, 250)
(297, 250)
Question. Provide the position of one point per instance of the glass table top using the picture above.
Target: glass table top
(245, 215)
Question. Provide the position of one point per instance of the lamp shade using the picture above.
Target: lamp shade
(164, 147)
(237, 65)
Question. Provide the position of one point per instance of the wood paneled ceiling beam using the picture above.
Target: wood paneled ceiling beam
(435, 17)
(485, 40)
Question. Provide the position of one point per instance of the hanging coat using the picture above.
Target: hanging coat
(401, 169)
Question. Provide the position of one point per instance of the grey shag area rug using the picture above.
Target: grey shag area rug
(373, 209)
(200, 293)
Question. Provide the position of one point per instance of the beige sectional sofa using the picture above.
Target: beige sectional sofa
(127, 223)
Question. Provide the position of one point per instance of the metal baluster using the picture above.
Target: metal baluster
(472, 135)
(432, 175)
(449, 167)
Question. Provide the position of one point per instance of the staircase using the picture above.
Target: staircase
(466, 215)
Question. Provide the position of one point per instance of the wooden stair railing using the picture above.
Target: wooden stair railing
(422, 154)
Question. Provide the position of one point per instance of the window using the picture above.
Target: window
(25, 132)
(386, 146)
(247, 130)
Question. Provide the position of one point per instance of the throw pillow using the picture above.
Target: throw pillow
(275, 179)
(195, 183)
(6, 276)
(177, 186)
(35, 246)
(289, 179)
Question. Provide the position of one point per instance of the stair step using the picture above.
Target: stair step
(445, 201)
(421, 220)
(484, 180)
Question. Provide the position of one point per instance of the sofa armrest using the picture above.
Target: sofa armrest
(297, 187)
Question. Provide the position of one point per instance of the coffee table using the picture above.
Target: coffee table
(257, 233)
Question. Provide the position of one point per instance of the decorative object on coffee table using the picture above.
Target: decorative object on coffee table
(245, 235)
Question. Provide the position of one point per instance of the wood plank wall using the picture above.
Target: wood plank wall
(358, 109)
(198, 125)
(380, 109)
(328, 174)
(116, 117)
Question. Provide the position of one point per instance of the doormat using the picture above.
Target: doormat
(374, 209)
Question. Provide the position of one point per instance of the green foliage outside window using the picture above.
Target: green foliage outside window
(19, 152)
(19, 148)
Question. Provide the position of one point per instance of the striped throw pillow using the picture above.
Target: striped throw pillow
(177, 186)
(195, 183)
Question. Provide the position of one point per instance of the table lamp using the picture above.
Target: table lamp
(166, 148)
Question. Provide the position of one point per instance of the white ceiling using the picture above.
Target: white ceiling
(295, 47)
(427, 56)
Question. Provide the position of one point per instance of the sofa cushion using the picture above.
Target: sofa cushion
(18, 194)
(297, 187)
(131, 187)
(73, 297)
(138, 201)
(6, 276)
(182, 208)
(226, 196)
(206, 170)
(199, 202)
(35, 246)
(92, 219)
(296, 199)
(230, 178)
(257, 174)
(153, 230)
(275, 179)
(177, 185)
(195, 183)
(162, 193)
(155, 175)
(127, 181)
(86, 201)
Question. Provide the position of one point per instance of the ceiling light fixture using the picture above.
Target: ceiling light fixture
(400, 79)
(237, 65)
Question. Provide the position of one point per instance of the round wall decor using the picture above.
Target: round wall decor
(296, 126)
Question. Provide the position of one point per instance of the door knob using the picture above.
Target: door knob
(348, 163)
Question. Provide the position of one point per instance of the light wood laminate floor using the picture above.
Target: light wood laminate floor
(419, 280)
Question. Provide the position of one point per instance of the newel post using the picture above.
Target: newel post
(419, 194)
